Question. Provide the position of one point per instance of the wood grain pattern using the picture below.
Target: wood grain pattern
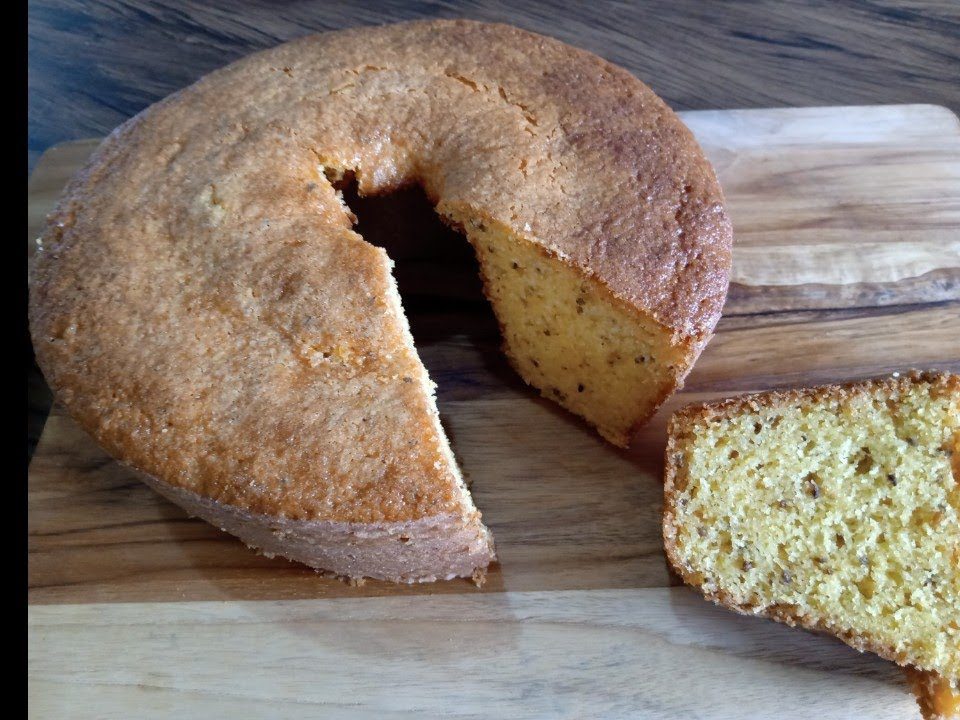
(830, 205)
(568, 511)
(94, 64)
(653, 654)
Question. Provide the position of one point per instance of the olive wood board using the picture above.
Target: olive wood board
(846, 265)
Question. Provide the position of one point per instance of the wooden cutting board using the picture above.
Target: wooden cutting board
(846, 265)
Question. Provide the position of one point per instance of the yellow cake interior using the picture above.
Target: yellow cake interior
(844, 509)
(568, 337)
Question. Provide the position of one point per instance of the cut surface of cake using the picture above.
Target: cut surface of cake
(203, 306)
(836, 508)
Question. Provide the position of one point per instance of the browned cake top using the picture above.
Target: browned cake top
(203, 308)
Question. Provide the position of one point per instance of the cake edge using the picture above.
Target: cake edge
(433, 548)
(938, 698)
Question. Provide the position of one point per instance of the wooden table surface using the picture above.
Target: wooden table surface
(95, 63)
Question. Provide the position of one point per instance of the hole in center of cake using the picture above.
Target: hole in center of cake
(438, 277)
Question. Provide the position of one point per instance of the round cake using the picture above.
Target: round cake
(203, 307)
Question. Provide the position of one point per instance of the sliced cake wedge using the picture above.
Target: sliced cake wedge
(834, 508)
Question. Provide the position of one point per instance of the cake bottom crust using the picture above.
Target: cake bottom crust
(435, 548)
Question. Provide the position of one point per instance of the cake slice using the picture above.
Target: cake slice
(833, 508)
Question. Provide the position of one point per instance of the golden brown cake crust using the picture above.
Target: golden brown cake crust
(938, 698)
(705, 412)
(202, 307)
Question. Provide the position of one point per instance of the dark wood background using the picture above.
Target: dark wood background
(92, 64)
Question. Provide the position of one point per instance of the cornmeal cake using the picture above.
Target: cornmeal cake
(835, 508)
(204, 308)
